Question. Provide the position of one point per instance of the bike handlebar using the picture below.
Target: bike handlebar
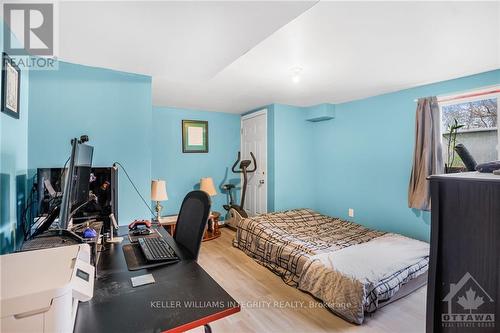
(236, 163)
(254, 163)
(240, 170)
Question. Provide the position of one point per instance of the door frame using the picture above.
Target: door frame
(250, 116)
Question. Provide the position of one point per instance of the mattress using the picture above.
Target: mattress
(352, 269)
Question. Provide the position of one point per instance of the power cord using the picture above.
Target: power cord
(92, 197)
(133, 185)
(62, 174)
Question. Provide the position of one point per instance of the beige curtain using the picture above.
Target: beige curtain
(427, 156)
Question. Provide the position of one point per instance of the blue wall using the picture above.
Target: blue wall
(293, 158)
(183, 171)
(363, 157)
(112, 108)
(123, 127)
(290, 150)
(13, 167)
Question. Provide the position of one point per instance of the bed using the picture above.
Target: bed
(353, 270)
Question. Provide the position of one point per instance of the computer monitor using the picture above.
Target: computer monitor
(103, 183)
(75, 190)
(76, 186)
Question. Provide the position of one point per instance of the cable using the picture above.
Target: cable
(135, 187)
(62, 173)
(92, 197)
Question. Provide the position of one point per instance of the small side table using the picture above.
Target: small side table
(212, 231)
(168, 223)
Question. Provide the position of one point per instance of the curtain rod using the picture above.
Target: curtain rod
(482, 92)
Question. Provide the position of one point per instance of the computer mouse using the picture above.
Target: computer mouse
(89, 233)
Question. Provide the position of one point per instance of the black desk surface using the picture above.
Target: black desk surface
(184, 296)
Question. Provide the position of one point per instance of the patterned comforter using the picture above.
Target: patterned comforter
(334, 260)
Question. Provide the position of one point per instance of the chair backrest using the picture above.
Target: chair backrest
(469, 161)
(191, 221)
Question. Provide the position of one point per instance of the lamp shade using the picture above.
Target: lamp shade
(207, 185)
(158, 190)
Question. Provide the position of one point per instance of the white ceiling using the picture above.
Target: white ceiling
(236, 56)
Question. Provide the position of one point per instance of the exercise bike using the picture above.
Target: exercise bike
(236, 212)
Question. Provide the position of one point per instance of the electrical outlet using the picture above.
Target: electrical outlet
(351, 212)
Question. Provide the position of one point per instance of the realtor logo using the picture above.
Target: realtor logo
(469, 305)
(31, 29)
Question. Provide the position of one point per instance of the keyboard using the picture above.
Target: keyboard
(157, 249)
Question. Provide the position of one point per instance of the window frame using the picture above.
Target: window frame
(478, 96)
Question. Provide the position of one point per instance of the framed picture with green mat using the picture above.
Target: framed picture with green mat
(194, 136)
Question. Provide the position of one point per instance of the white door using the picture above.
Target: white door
(254, 139)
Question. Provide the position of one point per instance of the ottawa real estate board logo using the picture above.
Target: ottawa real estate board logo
(468, 305)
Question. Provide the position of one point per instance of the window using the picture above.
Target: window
(476, 114)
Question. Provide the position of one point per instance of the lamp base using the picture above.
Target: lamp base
(158, 211)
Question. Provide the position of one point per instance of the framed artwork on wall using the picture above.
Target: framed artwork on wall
(11, 79)
(194, 136)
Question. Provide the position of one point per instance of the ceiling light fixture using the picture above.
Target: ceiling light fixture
(296, 74)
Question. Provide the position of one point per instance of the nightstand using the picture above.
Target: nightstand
(212, 230)
(168, 223)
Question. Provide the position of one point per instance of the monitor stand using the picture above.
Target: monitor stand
(113, 226)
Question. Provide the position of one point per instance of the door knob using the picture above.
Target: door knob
(261, 181)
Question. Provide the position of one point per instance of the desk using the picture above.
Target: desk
(184, 296)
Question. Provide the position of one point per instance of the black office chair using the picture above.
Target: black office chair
(191, 221)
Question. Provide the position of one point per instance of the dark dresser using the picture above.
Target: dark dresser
(464, 284)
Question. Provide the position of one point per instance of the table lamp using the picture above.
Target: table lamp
(207, 185)
(158, 193)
